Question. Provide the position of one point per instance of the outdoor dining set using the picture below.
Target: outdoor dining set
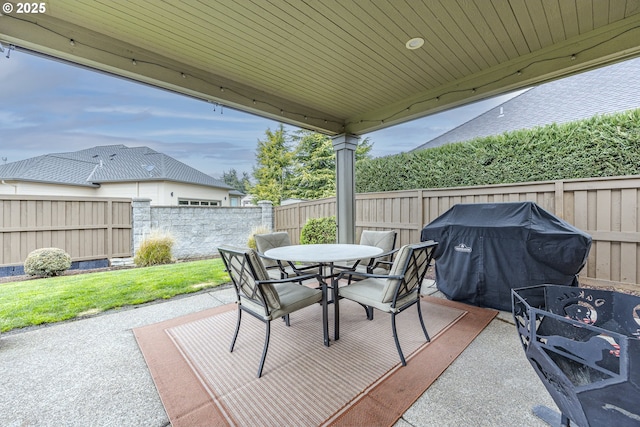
(581, 341)
(277, 279)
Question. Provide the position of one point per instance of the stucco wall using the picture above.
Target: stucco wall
(161, 193)
(165, 193)
(38, 188)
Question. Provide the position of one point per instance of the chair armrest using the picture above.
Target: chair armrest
(262, 255)
(370, 267)
(303, 268)
(281, 266)
(291, 279)
(373, 263)
(367, 275)
(347, 267)
(391, 252)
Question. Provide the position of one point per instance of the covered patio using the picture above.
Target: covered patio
(340, 68)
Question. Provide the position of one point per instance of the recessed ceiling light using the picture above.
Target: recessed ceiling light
(415, 43)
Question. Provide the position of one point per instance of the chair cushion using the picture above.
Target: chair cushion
(377, 270)
(369, 292)
(267, 241)
(292, 297)
(275, 273)
(396, 269)
(384, 240)
(269, 292)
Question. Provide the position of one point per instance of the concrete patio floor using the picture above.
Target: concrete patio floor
(90, 372)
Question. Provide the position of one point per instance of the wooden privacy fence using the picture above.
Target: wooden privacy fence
(606, 208)
(86, 228)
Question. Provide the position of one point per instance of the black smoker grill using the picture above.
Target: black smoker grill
(584, 345)
(487, 249)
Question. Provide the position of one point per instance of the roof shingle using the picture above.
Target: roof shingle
(108, 163)
(605, 90)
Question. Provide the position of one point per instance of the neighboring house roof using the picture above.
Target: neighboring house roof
(108, 163)
(291, 201)
(605, 90)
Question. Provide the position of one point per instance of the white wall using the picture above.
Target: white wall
(33, 188)
(160, 192)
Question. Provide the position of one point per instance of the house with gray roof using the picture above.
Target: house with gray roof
(606, 90)
(116, 171)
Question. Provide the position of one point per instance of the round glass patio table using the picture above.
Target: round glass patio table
(323, 253)
(326, 255)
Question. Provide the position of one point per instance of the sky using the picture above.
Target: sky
(49, 107)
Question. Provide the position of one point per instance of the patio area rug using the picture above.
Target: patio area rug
(357, 381)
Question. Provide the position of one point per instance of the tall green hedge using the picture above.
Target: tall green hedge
(596, 147)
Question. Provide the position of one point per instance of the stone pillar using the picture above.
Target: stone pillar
(267, 213)
(141, 227)
(345, 148)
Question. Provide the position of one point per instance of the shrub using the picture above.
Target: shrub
(261, 229)
(154, 250)
(47, 262)
(319, 230)
(599, 146)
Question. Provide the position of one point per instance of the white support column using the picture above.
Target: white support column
(345, 148)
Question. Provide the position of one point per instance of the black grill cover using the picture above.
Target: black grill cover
(487, 249)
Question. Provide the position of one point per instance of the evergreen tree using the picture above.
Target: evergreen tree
(241, 184)
(363, 150)
(273, 167)
(314, 161)
(308, 171)
(314, 165)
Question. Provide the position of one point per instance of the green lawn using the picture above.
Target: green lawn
(39, 301)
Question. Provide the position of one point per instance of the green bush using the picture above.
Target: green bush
(154, 250)
(600, 146)
(47, 262)
(319, 230)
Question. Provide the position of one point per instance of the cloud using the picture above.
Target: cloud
(11, 120)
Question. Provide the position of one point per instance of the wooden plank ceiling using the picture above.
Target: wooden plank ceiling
(334, 66)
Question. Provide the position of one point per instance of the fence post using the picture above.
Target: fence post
(267, 213)
(141, 227)
(559, 199)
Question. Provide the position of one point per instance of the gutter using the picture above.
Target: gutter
(15, 187)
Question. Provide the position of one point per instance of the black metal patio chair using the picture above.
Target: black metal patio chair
(395, 292)
(265, 298)
(280, 269)
(380, 264)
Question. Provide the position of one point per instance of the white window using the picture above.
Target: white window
(196, 202)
